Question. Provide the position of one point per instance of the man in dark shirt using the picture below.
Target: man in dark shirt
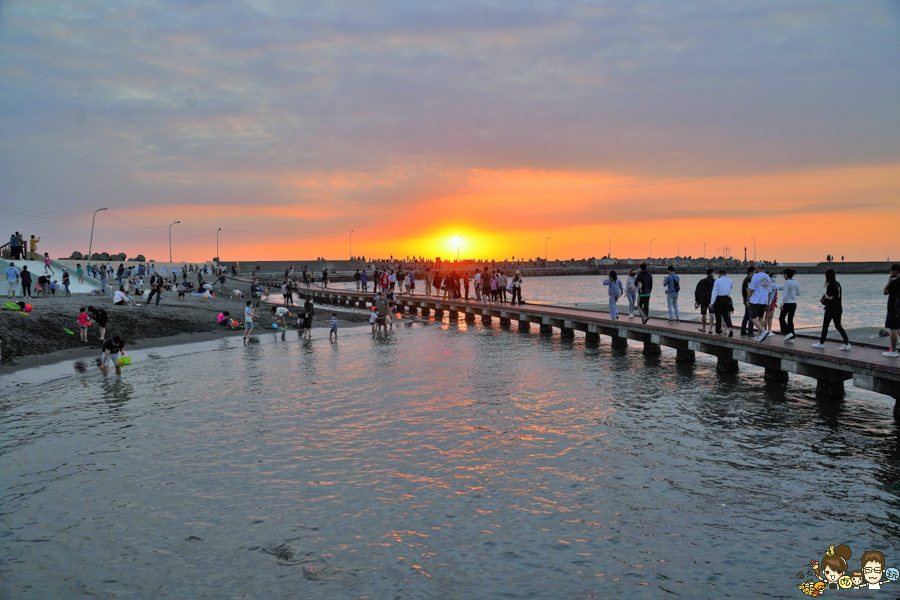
(113, 349)
(892, 322)
(747, 323)
(25, 275)
(101, 317)
(256, 292)
(702, 297)
(644, 284)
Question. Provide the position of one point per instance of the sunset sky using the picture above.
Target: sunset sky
(412, 123)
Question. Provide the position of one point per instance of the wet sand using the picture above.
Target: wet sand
(40, 337)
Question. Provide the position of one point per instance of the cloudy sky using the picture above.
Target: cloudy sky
(411, 123)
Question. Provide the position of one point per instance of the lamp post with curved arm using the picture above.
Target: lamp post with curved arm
(91, 243)
(679, 249)
(754, 247)
(545, 248)
(651, 248)
(217, 246)
(351, 243)
(170, 239)
(609, 249)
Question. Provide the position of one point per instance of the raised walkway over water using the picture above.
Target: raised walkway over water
(829, 366)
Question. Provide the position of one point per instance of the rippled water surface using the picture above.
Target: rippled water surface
(441, 461)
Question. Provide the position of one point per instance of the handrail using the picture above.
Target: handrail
(5, 251)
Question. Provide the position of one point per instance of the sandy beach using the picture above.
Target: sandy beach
(41, 338)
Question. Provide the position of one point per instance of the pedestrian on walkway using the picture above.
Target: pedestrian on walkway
(892, 321)
(722, 304)
(758, 289)
(631, 293)
(614, 290)
(672, 283)
(79, 273)
(791, 291)
(703, 297)
(66, 281)
(773, 302)
(517, 288)
(34, 242)
(833, 311)
(644, 284)
(747, 323)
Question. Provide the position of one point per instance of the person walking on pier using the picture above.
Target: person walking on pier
(478, 285)
(788, 305)
(615, 291)
(644, 284)
(502, 282)
(747, 323)
(833, 310)
(26, 282)
(672, 283)
(759, 288)
(630, 293)
(517, 288)
(892, 322)
(703, 297)
(356, 278)
(722, 305)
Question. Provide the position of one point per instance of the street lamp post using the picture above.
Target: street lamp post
(170, 239)
(679, 249)
(609, 250)
(91, 243)
(217, 247)
(545, 248)
(351, 244)
(704, 249)
(457, 248)
(651, 248)
(754, 247)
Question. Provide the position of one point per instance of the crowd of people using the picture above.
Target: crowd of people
(759, 296)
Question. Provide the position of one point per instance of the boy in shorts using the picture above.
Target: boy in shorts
(334, 324)
(249, 313)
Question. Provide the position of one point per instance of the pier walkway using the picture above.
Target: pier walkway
(829, 366)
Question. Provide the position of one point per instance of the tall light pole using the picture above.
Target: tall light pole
(754, 247)
(351, 244)
(651, 248)
(457, 248)
(609, 250)
(91, 243)
(170, 239)
(704, 249)
(679, 249)
(545, 247)
(217, 246)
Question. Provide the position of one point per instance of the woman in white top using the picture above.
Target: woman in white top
(721, 303)
(788, 305)
(631, 293)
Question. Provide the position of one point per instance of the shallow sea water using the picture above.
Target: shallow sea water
(440, 461)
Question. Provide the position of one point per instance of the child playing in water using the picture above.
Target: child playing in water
(249, 313)
(334, 324)
(373, 320)
(83, 322)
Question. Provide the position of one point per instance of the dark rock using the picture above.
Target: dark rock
(76, 256)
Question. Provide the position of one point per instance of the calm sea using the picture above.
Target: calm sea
(440, 461)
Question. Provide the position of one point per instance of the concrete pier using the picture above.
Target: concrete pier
(864, 365)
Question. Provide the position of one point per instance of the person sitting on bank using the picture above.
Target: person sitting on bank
(120, 298)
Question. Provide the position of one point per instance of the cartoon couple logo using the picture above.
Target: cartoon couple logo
(832, 573)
